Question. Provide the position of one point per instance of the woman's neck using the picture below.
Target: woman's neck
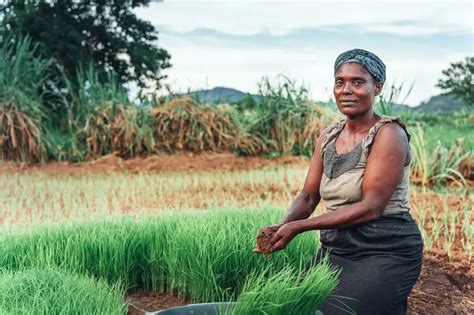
(361, 123)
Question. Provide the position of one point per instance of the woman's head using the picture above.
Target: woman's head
(358, 77)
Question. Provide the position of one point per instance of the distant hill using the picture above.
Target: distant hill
(443, 103)
(221, 95)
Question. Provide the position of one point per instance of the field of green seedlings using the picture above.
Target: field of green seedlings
(200, 256)
(185, 233)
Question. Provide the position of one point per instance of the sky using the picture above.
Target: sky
(236, 43)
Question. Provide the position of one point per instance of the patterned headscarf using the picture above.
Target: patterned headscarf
(370, 61)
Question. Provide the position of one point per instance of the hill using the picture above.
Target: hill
(221, 95)
(445, 103)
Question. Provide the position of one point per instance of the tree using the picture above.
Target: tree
(105, 33)
(459, 80)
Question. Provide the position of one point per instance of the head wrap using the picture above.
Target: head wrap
(368, 60)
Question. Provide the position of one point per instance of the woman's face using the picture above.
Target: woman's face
(354, 89)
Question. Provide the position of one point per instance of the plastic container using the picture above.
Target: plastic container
(202, 309)
(198, 309)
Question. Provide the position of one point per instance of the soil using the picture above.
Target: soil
(141, 302)
(442, 289)
(184, 161)
(263, 242)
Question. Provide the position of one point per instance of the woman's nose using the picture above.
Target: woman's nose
(347, 89)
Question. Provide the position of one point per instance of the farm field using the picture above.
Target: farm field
(109, 190)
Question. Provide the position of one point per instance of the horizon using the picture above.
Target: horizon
(235, 44)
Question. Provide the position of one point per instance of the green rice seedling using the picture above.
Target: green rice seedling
(449, 223)
(436, 227)
(52, 291)
(288, 291)
(427, 237)
(199, 256)
(467, 231)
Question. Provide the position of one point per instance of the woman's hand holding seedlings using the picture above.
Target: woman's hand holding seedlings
(281, 236)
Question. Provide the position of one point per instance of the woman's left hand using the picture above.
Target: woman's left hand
(284, 235)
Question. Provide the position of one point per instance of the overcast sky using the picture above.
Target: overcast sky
(236, 43)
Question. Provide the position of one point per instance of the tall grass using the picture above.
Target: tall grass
(438, 166)
(22, 109)
(183, 124)
(201, 257)
(285, 118)
(51, 291)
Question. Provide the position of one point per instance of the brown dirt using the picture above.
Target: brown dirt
(141, 302)
(184, 161)
(263, 242)
(442, 289)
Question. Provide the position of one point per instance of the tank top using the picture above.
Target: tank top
(341, 182)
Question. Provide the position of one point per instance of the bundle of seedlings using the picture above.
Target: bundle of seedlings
(184, 124)
(288, 291)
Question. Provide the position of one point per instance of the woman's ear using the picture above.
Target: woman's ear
(378, 88)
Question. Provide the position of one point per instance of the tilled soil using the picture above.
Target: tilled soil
(184, 161)
(441, 290)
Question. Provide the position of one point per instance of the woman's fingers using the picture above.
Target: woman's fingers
(275, 238)
(257, 250)
(279, 245)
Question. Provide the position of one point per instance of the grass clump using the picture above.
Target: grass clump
(202, 257)
(289, 291)
(51, 291)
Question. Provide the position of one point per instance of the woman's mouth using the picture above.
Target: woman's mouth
(348, 102)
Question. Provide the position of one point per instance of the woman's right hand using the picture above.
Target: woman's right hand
(267, 230)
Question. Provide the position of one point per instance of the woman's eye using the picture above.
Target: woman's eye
(358, 82)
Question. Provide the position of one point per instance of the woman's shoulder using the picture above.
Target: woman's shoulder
(330, 133)
(393, 127)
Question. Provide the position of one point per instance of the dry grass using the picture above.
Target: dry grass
(121, 130)
(20, 137)
(183, 124)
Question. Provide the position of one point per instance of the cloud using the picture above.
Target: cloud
(277, 18)
(235, 44)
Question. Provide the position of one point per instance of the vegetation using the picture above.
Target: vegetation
(459, 80)
(52, 291)
(73, 33)
(200, 257)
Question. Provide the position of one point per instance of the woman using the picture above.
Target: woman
(360, 168)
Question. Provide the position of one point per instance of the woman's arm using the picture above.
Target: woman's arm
(383, 172)
(307, 200)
